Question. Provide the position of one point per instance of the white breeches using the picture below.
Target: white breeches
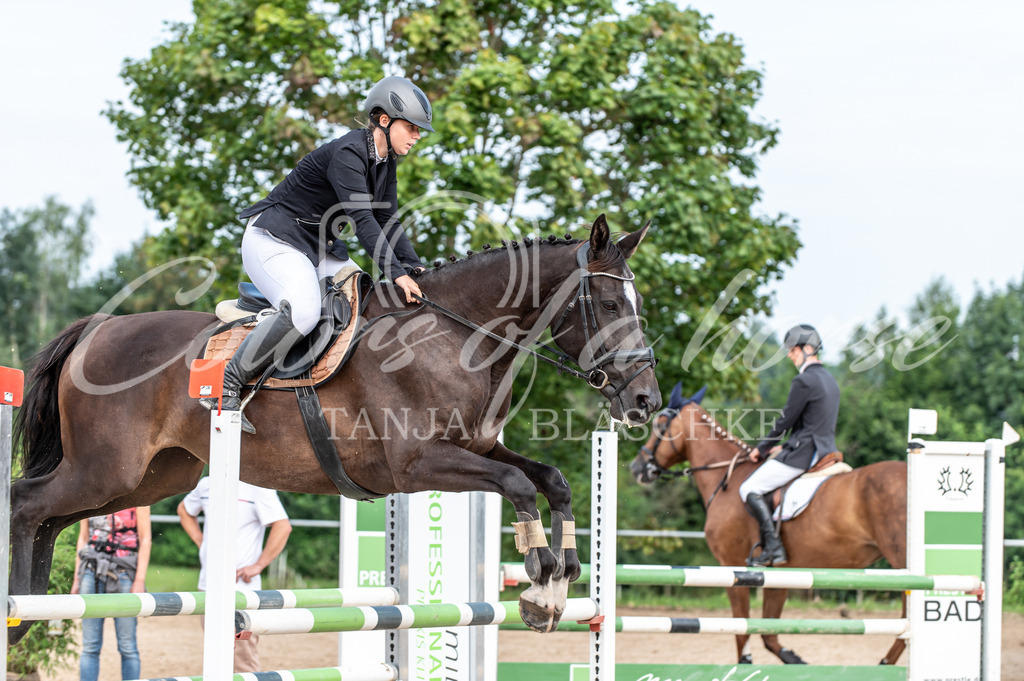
(769, 476)
(281, 272)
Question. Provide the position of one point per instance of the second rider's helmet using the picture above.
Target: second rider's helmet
(400, 98)
(801, 335)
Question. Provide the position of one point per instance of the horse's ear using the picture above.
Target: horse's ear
(699, 395)
(629, 243)
(675, 400)
(600, 235)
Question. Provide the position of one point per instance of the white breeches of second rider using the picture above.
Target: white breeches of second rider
(769, 476)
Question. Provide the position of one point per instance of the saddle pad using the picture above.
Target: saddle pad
(224, 345)
(799, 494)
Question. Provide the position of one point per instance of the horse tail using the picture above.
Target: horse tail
(37, 424)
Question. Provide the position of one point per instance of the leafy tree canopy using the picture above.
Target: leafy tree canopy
(546, 114)
(42, 255)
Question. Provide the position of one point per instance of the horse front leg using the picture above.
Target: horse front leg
(550, 482)
(774, 601)
(739, 601)
(445, 467)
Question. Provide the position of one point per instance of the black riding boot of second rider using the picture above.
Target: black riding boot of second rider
(269, 340)
(772, 550)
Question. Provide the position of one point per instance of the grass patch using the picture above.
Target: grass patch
(161, 578)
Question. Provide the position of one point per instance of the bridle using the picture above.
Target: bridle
(596, 377)
(655, 471)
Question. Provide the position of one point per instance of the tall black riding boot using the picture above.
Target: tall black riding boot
(772, 550)
(269, 340)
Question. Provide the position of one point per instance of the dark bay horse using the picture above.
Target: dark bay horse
(107, 422)
(854, 519)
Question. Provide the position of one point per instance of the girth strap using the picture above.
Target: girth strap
(320, 437)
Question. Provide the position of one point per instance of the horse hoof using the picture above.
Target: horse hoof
(789, 657)
(541, 609)
(746, 659)
(537, 617)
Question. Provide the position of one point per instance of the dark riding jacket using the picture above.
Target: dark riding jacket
(338, 185)
(809, 416)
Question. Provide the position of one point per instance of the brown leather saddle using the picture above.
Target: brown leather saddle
(317, 357)
(824, 462)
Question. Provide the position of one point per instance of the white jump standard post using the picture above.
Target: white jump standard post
(207, 380)
(604, 486)
(12, 382)
(954, 527)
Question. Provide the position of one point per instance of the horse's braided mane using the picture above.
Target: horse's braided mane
(718, 429)
(611, 258)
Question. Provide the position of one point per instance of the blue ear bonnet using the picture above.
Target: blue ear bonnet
(676, 401)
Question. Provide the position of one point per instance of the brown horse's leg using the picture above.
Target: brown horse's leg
(739, 599)
(32, 541)
(550, 482)
(774, 601)
(899, 645)
(443, 466)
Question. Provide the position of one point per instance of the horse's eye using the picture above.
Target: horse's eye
(608, 306)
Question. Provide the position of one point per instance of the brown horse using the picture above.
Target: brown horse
(107, 423)
(854, 519)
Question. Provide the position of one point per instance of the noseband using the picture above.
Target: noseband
(597, 377)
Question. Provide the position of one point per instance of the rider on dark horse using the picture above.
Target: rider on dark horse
(810, 418)
(292, 240)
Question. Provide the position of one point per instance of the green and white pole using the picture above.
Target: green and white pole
(771, 578)
(172, 604)
(446, 616)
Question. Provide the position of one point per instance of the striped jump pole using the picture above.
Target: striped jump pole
(62, 607)
(772, 578)
(372, 672)
(371, 618)
(739, 625)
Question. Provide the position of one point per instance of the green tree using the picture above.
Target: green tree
(546, 114)
(41, 265)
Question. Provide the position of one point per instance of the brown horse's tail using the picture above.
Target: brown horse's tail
(37, 424)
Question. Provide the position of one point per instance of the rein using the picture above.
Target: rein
(559, 363)
(666, 474)
(597, 378)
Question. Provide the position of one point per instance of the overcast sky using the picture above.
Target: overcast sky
(900, 153)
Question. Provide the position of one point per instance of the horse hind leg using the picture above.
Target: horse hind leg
(739, 600)
(32, 542)
(774, 601)
(899, 645)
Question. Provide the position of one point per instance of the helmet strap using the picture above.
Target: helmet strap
(387, 135)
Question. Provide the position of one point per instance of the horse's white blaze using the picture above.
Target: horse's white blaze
(630, 292)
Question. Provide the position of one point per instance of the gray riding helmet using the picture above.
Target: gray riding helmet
(400, 98)
(801, 335)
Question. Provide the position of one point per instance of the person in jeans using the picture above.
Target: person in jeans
(112, 557)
